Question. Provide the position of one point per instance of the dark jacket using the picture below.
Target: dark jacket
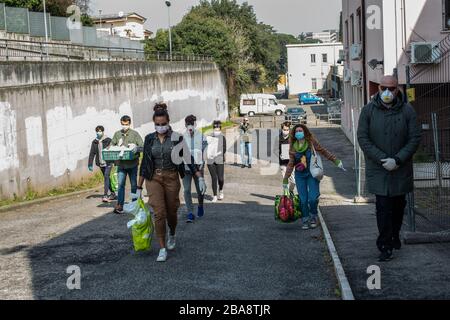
(93, 154)
(389, 133)
(282, 141)
(147, 165)
(245, 132)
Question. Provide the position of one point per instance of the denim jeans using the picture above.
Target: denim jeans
(308, 189)
(246, 147)
(187, 183)
(106, 181)
(121, 177)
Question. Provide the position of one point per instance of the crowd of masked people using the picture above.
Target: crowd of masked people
(161, 169)
(387, 133)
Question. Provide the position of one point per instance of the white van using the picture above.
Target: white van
(259, 103)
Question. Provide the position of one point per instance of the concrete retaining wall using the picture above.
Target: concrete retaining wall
(49, 111)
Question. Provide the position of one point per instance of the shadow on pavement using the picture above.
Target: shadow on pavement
(416, 272)
(237, 251)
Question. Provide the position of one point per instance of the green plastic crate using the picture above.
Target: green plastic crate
(109, 155)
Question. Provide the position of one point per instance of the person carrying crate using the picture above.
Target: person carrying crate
(127, 138)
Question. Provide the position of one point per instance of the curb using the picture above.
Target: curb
(44, 200)
(344, 285)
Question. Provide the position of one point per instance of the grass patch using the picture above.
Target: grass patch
(225, 125)
(85, 184)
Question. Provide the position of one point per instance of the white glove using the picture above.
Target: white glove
(341, 166)
(133, 147)
(389, 164)
(202, 185)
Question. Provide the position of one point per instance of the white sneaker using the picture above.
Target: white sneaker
(214, 199)
(171, 243)
(162, 257)
(221, 196)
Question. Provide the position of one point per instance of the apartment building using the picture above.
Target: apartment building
(125, 25)
(410, 39)
(310, 66)
(326, 36)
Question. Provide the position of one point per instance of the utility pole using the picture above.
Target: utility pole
(45, 27)
(100, 15)
(168, 4)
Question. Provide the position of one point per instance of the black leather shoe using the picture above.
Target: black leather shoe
(385, 256)
(396, 244)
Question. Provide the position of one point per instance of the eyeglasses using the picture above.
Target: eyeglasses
(391, 89)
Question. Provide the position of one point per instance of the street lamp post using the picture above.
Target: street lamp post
(100, 16)
(45, 27)
(168, 4)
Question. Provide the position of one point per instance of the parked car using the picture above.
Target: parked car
(296, 115)
(259, 103)
(309, 98)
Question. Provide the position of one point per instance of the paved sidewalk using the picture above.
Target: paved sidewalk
(237, 251)
(416, 272)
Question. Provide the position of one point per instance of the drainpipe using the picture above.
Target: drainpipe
(364, 58)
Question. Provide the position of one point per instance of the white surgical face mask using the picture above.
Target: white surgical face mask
(162, 129)
(217, 132)
(387, 96)
(191, 128)
(285, 133)
(125, 128)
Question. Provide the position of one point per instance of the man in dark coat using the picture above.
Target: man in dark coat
(389, 136)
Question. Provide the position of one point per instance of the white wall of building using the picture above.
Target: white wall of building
(302, 70)
(136, 28)
(400, 23)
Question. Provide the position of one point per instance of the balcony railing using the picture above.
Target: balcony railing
(19, 50)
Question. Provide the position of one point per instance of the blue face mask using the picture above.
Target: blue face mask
(299, 135)
(99, 135)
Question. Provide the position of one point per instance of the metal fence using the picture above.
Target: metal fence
(85, 43)
(22, 21)
(13, 50)
(2, 16)
(430, 203)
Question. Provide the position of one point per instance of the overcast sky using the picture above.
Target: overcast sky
(287, 16)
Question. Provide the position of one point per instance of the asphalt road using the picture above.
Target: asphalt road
(237, 251)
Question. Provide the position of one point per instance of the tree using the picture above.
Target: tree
(251, 53)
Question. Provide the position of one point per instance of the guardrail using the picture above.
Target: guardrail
(266, 121)
(330, 118)
(20, 50)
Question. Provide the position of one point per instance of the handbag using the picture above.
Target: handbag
(316, 166)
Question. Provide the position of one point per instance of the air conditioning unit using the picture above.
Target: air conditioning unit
(347, 75)
(425, 52)
(356, 51)
(356, 78)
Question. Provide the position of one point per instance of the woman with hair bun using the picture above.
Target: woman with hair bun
(162, 178)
